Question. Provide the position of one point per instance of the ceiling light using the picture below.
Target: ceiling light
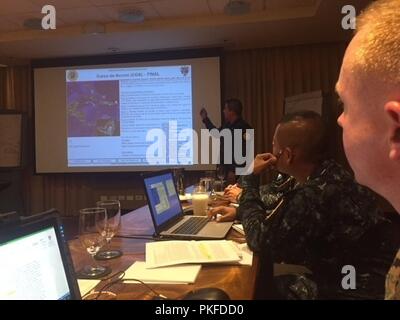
(131, 16)
(113, 49)
(93, 28)
(33, 23)
(237, 7)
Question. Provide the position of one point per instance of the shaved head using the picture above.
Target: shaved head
(305, 132)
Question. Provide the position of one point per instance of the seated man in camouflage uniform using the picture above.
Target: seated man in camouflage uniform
(321, 223)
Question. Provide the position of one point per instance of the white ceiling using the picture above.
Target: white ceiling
(168, 24)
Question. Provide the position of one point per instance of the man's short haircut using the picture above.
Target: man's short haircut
(379, 51)
(307, 131)
(235, 105)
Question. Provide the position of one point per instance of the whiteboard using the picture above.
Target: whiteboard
(311, 101)
(10, 140)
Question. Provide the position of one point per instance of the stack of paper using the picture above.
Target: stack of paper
(167, 253)
(86, 285)
(165, 275)
(245, 253)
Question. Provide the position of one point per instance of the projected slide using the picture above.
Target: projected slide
(110, 112)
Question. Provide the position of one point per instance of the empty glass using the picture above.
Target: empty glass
(218, 187)
(179, 180)
(207, 183)
(221, 175)
(113, 211)
(92, 222)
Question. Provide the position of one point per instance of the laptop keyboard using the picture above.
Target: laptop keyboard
(192, 226)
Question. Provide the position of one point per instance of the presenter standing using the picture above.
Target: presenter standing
(232, 120)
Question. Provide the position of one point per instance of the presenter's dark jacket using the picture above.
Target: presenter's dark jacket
(241, 124)
(324, 224)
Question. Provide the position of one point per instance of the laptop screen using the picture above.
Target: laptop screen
(162, 197)
(32, 268)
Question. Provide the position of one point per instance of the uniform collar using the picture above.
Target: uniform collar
(320, 170)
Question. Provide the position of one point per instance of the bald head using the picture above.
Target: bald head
(305, 132)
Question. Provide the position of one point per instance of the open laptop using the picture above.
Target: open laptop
(167, 214)
(35, 261)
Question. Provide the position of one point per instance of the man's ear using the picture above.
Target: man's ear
(392, 109)
(289, 155)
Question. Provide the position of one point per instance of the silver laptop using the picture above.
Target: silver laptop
(167, 214)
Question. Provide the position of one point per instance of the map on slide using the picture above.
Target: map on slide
(93, 108)
(162, 196)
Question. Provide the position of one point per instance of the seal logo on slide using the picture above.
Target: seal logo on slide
(185, 70)
(72, 75)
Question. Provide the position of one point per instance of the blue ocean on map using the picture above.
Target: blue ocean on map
(93, 108)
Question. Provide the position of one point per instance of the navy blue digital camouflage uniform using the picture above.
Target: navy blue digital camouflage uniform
(272, 192)
(321, 224)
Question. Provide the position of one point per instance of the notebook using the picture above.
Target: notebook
(36, 264)
(167, 214)
(178, 252)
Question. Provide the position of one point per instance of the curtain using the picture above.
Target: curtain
(261, 78)
(67, 193)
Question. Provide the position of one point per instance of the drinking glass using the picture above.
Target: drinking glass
(218, 187)
(113, 212)
(92, 222)
(207, 184)
(179, 176)
(200, 198)
(221, 175)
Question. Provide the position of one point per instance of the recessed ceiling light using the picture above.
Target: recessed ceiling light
(131, 16)
(237, 7)
(94, 28)
(113, 49)
(33, 23)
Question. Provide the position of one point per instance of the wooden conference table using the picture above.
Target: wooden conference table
(237, 281)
